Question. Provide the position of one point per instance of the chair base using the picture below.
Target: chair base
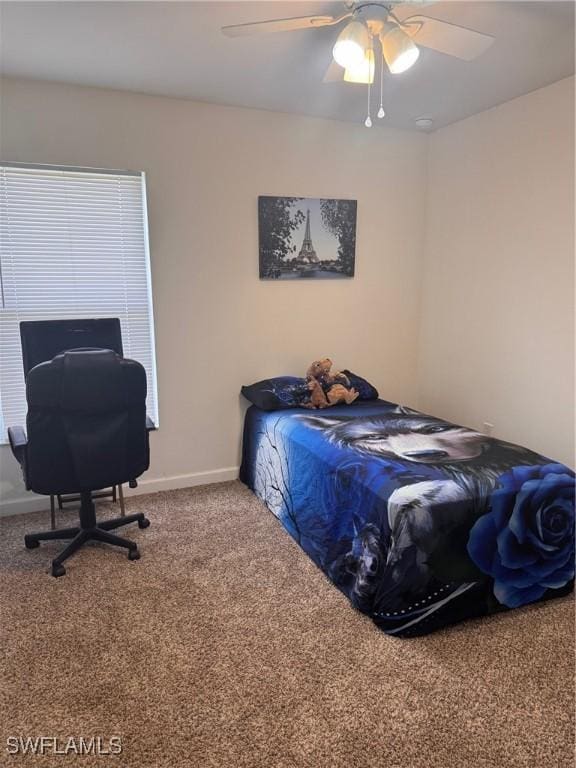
(89, 530)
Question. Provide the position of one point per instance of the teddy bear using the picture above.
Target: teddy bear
(328, 388)
(317, 396)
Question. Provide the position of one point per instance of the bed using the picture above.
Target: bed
(419, 522)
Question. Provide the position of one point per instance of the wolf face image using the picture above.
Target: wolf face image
(423, 513)
(361, 566)
(471, 459)
(410, 436)
(418, 515)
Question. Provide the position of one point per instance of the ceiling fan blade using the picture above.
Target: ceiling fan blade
(281, 25)
(461, 42)
(334, 73)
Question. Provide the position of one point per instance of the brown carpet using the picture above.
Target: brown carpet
(225, 646)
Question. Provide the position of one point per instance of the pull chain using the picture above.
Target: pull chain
(368, 121)
(381, 112)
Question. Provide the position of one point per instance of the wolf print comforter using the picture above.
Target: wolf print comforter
(421, 523)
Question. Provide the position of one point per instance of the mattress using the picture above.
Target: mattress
(419, 522)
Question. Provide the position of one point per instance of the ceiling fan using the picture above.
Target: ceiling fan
(375, 24)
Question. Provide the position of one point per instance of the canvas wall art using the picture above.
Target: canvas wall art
(304, 237)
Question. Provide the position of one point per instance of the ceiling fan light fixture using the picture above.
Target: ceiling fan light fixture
(362, 73)
(350, 47)
(400, 52)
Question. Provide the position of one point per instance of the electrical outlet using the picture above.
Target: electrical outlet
(488, 428)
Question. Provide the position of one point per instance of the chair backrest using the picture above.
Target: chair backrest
(86, 422)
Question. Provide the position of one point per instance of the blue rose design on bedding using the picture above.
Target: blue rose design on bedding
(419, 522)
(526, 540)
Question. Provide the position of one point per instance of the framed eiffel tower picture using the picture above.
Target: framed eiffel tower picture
(305, 237)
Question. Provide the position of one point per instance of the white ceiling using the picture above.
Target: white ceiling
(177, 49)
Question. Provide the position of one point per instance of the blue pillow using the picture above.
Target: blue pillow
(278, 393)
(366, 390)
(284, 392)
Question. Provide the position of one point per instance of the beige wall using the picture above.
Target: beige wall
(497, 332)
(483, 333)
(217, 325)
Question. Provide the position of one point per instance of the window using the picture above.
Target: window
(73, 244)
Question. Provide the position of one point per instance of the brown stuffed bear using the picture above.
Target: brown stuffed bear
(317, 396)
(327, 388)
(320, 369)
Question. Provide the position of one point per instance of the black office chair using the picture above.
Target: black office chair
(87, 430)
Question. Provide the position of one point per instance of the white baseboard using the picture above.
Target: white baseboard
(183, 481)
(34, 503)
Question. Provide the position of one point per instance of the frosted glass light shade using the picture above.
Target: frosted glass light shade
(399, 51)
(362, 73)
(351, 45)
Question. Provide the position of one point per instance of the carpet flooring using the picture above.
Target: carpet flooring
(225, 646)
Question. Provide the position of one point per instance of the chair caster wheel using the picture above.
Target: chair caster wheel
(133, 554)
(143, 523)
(31, 543)
(58, 570)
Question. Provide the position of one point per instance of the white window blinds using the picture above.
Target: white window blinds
(73, 244)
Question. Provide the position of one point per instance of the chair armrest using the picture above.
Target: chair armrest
(18, 443)
(150, 426)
